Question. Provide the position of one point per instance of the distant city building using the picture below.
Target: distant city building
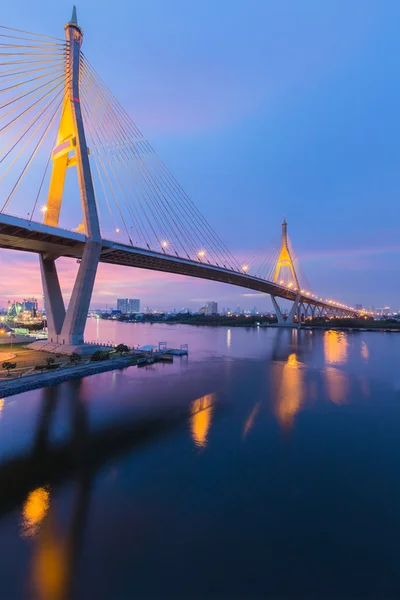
(30, 304)
(26, 311)
(128, 305)
(211, 308)
(133, 305)
(358, 306)
(202, 310)
(122, 305)
(14, 308)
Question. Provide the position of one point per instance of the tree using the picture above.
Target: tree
(8, 366)
(122, 348)
(75, 358)
(50, 361)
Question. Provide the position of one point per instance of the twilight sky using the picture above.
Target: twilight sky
(261, 109)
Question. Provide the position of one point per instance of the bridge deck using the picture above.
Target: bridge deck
(28, 236)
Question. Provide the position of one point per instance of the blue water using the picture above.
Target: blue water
(264, 465)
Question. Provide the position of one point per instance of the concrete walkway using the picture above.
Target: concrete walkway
(31, 382)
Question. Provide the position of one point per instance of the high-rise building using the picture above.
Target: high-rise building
(133, 305)
(122, 305)
(211, 308)
(128, 305)
(358, 307)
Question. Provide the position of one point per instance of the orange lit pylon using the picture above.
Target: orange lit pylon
(285, 259)
(70, 149)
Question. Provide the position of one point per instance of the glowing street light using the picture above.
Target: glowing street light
(245, 268)
(164, 244)
(44, 209)
(201, 254)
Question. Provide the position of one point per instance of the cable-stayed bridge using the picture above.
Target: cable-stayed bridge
(78, 179)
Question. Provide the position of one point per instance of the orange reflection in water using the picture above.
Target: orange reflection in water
(34, 511)
(290, 393)
(336, 384)
(250, 419)
(335, 347)
(1, 404)
(49, 566)
(200, 420)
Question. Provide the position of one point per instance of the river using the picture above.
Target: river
(266, 464)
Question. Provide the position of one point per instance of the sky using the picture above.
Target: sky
(261, 110)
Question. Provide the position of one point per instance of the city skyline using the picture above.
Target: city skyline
(339, 225)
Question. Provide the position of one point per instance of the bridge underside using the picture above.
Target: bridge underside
(52, 242)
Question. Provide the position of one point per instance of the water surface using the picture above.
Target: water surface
(264, 465)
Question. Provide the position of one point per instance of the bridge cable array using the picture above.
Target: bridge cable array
(32, 88)
(141, 195)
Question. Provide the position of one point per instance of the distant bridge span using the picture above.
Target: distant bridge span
(54, 242)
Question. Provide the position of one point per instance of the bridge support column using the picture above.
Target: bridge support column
(289, 321)
(75, 319)
(293, 311)
(279, 315)
(71, 150)
(55, 309)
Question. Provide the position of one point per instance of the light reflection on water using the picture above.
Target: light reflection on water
(201, 419)
(364, 350)
(290, 392)
(337, 385)
(336, 347)
(34, 511)
(107, 480)
(251, 419)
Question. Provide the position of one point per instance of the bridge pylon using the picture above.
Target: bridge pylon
(67, 327)
(285, 260)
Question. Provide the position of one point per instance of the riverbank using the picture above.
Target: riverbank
(35, 381)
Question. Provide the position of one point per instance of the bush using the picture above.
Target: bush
(75, 358)
(8, 366)
(100, 355)
(122, 348)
